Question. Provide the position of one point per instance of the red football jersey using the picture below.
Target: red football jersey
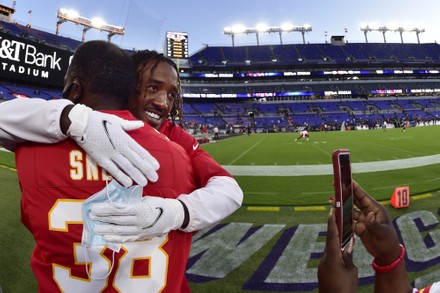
(205, 167)
(56, 179)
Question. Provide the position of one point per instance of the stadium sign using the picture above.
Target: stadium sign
(26, 61)
(220, 250)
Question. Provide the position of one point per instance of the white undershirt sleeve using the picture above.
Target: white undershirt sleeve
(34, 119)
(212, 203)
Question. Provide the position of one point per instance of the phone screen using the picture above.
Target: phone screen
(347, 198)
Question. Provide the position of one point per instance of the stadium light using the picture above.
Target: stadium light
(263, 28)
(418, 31)
(373, 27)
(64, 15)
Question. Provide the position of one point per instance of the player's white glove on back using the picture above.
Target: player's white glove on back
(152, 217)
(104, 139)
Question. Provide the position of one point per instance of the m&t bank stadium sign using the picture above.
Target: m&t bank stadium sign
(27, 61)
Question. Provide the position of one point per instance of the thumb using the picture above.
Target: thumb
(128, 125)
(348, 260)
(373, 225)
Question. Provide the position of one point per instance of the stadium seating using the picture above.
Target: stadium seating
(285, 86)
(295, 54)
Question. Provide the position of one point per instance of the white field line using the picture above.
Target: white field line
(327, 169)
(248, 150)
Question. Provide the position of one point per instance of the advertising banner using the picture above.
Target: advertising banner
(27, 61)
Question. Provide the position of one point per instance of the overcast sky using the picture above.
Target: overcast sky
(146, 22)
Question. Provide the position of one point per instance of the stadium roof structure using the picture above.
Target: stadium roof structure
(64, 15)
(263, 28)
(390, 28)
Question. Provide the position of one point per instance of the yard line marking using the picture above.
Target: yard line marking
(9, 168)
(321, 150)
(248, 150)
(421, 196)
(263, 209)
(320, 207)
(309, 208)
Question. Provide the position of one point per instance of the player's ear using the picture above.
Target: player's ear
(77, 90)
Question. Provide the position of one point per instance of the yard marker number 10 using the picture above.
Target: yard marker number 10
(400, 197)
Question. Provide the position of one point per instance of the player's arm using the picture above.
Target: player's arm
(155, 216)
(35, 120)
(218, 195)
(190, 212)
(212, 203)
(42, 121)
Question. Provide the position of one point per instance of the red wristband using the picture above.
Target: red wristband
(391, 266)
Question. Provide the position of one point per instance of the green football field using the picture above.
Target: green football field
(272, 243)
(391, 147)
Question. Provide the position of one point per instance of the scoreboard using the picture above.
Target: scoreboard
(177, 45)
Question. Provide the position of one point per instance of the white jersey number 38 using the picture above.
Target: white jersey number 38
(65, 212)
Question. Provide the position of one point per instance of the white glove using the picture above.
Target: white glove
(103, 137)
(152, 217)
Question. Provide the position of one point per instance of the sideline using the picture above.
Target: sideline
(319, 208)
(310, 170)
(327, 169)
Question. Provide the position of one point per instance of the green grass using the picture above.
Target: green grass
(285, 192)
(7, 159)
(366, 146)
(16, 243)
(281, 149)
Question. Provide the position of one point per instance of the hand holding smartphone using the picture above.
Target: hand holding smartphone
(343, 195)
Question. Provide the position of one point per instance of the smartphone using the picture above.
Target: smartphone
(343, 195)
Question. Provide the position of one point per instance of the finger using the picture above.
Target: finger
(116, 230)
(129, 125)
(144, 161)
(370, 218)
(331, 200)
(359, 222)
(115, 172)
(349, 248)
(362, 199)
(372, 223)
(144, 155)
(332, 245)
(115, 220)
(125, 165)
(357, 213)
(348, 260)
(108, 209)
(135, 153)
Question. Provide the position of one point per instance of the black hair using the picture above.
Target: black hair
(106, 68)
(150, 58)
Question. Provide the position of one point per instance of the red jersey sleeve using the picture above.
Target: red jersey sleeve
(203, 164)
